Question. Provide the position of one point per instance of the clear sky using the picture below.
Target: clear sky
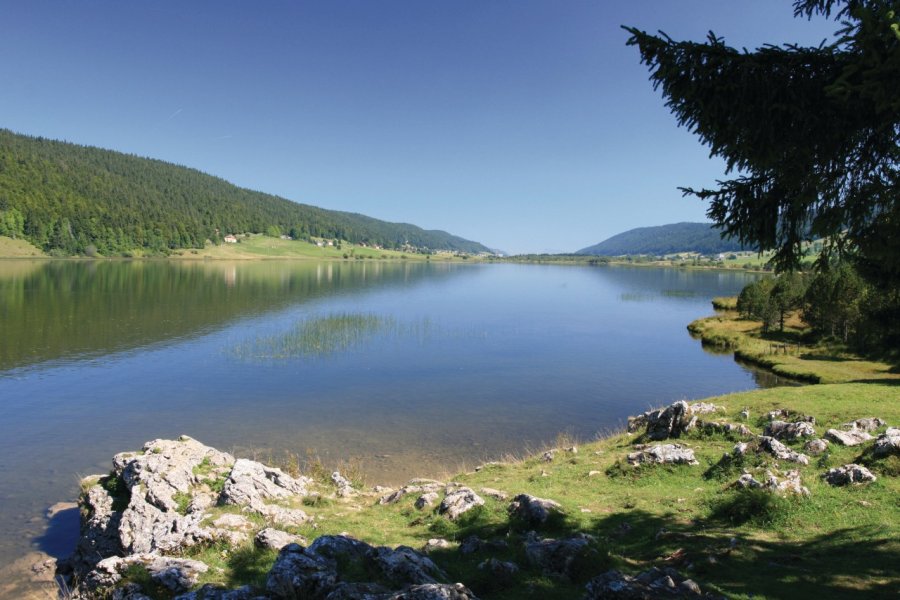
(526, 125)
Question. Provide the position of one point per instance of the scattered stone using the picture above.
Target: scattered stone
(780, 451)
(404, 566)
(555, 558)
(459, 502)
(594, 473)
(816, 446)
(854, 437)
(427, 499)
(492, 463)
(344, 487)
(544, 473)
(887, 443)
(655, 583)
(532, 510)
(866, 424)
(496, 494)
(788, 484)
(548, 455)
(848, 474)
(740, 449)
(230, 521)
(745, 414)
(663, 454)
(572, 449)
(782, 430)
(275, 539)
(435, 544)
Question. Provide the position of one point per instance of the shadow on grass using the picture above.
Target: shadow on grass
(852, 563)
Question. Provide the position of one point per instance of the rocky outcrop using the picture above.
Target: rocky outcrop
(848, 474)
(866, 424)
(816, 446)
(175, 574)
(414, 486)
(458, 502)
(319, 570)
(674, 454)
(275, 539)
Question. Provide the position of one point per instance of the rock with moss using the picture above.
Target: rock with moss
(816, 446)
(672, 421)
(865, 424)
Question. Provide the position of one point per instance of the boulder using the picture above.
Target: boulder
(816, 446)
(887, 443)
(853, 437)
(780, 451)
(649, 585)
(275, 539)
(738, 429)
(213, 592)
(473, 544)
(404, 566)
(459, 502)
(532, 510)
(784, 413)
(782, 430)
(663, 454)
(848, 474)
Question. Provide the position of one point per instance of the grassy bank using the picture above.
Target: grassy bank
(785, 353)
(836, 543)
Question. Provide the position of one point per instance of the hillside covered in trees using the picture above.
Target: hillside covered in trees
(71, 199)
(665, 239)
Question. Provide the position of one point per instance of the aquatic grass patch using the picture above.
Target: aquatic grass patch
(324, 336)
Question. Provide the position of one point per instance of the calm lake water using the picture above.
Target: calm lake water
(413, 369)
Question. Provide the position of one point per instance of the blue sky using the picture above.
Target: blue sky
(528, 126)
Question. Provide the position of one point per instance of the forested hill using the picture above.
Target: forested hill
(73, 199)
(665, 239)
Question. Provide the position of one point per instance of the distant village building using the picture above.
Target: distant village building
(230, 239)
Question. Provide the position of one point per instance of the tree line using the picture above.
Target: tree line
(70, 199)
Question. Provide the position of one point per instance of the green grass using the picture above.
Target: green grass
(787, 353)
(837, 543)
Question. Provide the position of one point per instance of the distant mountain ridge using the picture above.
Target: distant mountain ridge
(665, 239)
(71, 199)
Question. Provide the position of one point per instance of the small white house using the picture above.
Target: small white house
(230, 239)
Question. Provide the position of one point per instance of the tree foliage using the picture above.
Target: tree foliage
(65, 198)
(812, 134)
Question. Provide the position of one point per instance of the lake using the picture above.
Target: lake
(408, 368)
